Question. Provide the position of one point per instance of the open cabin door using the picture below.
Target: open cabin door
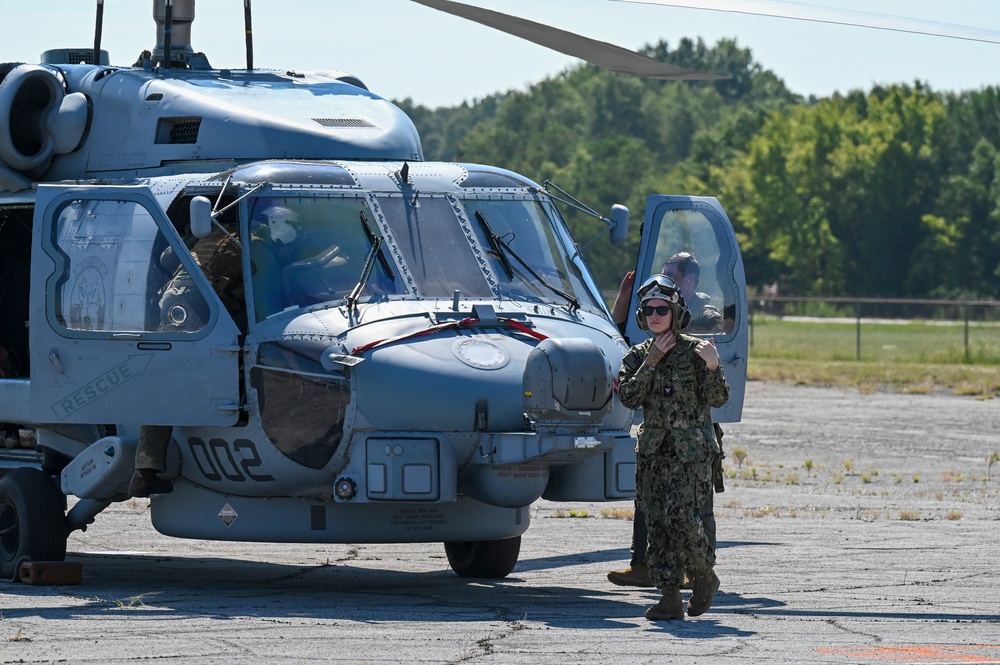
(100, 351)
(700, 227)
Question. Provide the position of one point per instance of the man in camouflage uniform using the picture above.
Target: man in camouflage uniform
(677, 379)
(684, 270)
(183, 308)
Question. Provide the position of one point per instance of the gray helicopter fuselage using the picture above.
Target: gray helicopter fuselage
(416, 362)
(405, 350)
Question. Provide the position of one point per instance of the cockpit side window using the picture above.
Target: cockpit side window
(114, 272)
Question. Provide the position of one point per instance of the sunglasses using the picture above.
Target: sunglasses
(661, 310)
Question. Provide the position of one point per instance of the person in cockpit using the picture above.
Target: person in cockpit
(283, 253)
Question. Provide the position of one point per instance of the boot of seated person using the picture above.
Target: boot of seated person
(145, 483)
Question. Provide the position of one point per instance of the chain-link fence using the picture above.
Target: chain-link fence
(876, 329)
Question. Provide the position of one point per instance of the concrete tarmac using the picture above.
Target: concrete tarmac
(855, 528)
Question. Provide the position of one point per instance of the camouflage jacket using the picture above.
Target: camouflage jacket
(677, 397)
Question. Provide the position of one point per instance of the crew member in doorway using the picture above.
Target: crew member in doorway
(183, 309)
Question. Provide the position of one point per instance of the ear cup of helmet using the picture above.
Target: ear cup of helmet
(640, 318)
(683, 319)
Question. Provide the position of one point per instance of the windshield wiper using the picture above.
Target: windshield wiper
(495, 244)
(374, 240)
(503, 250)
(366, 271)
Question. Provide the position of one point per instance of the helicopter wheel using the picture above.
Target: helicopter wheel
(32, 521)
(484, 558)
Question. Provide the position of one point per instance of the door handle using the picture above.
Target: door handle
(54, 359)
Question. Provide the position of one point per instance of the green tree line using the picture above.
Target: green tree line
(890, 192)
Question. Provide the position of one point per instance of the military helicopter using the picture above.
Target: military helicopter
(408, 352)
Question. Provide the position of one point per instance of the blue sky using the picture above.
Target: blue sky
(401, 49)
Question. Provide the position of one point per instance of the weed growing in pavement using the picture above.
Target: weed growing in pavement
(762, 511)
(134, 601)
(18, 637)
(991, 459)
(618, 513)
(486, 644)
(572, 512)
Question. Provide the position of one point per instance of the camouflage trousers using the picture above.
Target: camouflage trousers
(152, 450)
(672, 495)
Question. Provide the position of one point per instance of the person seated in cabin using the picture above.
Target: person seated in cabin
(183, 309)
(706, 318)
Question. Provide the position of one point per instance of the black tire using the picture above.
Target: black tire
(484, 558)
(32, 521)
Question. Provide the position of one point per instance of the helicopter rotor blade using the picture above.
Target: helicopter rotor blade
(602, 54)
(819, 14)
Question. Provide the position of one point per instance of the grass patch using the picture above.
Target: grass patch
(572, 512)
(915, 357)
(618, 513)
(904, 341)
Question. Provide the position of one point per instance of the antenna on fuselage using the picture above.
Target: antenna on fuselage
(168, 29)
(98, 29)
(248, 26)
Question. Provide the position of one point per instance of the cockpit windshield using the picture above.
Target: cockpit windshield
(311, 249)
(306, 250)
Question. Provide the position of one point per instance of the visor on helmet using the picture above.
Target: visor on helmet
(659, 286)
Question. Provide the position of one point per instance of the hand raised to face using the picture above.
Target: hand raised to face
(661, 345)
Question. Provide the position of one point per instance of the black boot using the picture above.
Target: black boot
(145, 482)
(705, 586)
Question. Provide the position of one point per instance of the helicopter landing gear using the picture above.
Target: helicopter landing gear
(32, 521)
(484, 558)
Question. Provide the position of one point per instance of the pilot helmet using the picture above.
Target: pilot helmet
(282, 223)
(663, 288)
